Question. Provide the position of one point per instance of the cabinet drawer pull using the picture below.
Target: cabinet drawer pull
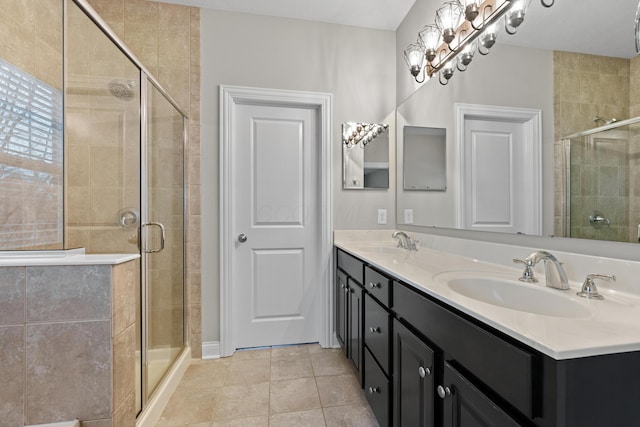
(423, 372)
(374, 390)
(374, 330)
(443, 391)
(374, 285)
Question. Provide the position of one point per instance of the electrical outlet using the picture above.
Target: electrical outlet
(382, 216)
(408, 216)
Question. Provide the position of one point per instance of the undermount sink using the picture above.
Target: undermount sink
(515, 295)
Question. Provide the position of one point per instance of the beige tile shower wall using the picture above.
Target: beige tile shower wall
(31, 31)
(166, 38)
(34, 28)
(102, 146)
(57, 325)
(586, 86)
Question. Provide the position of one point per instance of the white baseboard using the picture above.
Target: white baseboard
(211, 350)
(153, 411)
(334, 341)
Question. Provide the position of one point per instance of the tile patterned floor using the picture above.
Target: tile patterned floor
(295, 386)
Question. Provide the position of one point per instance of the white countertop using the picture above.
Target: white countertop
(604, 326)
(59, 258)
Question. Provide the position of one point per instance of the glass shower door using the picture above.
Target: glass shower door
(163, 236)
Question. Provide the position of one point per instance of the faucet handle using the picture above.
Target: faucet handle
(589, 288)
(527, 274)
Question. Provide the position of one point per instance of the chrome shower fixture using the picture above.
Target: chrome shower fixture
(597, 119)
(122, 89)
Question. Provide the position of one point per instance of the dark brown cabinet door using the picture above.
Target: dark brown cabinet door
(414, 385)
(355, 318)
(341, 308)
(466, 406)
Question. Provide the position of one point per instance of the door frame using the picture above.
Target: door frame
(531, 120)
(322, 103)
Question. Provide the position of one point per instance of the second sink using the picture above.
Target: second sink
(514, 295)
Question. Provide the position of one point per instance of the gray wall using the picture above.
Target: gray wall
(356, 65)
(525, 83)
(422, 12)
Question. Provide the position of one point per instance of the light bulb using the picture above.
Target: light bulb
(448, 18)
(414, 57)
(430, 38)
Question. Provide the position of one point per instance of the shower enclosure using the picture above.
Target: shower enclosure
(124, 175)
(601, 182)
(93, 158)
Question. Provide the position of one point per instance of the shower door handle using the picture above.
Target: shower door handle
(162, 235)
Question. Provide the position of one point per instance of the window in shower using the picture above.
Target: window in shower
(31, 137)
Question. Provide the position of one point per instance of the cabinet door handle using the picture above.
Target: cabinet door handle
(373, 330)
(374, 390)
(444, 391)
(374, 285)
(423, 372)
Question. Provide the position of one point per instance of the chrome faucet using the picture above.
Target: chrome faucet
(404, 241)
(553, 271)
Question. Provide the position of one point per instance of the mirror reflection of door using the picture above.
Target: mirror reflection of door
(496, 177)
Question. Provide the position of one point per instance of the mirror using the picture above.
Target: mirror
(425, 159)
(365, 156)
(31, 174)
(570, 75)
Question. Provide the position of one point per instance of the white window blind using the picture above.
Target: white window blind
(31, 174)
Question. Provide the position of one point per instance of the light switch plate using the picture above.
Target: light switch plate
(408, 216)
(382, 216)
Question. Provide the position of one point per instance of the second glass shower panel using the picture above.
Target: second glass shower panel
(163, 236)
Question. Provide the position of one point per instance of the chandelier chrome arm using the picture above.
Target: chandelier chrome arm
(475, 30)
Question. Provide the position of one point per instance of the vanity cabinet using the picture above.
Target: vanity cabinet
(506, 369)
(414, 380)
(377, 343)
(425, 363)
(349, 309)
(341, 308)
(466, 406)
(354, 326)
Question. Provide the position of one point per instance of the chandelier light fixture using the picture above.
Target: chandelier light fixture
(462, 27)
(360, 134)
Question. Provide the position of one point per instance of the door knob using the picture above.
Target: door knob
(242, 238)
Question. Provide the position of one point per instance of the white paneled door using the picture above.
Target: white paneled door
(275, 220)
(498, 177)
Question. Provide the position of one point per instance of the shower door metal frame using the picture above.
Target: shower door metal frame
(146, 78)
(145, 90)
(566, 164)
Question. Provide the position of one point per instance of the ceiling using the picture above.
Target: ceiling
(378, 14)
(588, 26)
(600, 27)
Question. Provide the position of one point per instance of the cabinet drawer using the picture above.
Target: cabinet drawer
(503, 367)
(377, 331)
(377, 388)
(378, 285)
(350, 265)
